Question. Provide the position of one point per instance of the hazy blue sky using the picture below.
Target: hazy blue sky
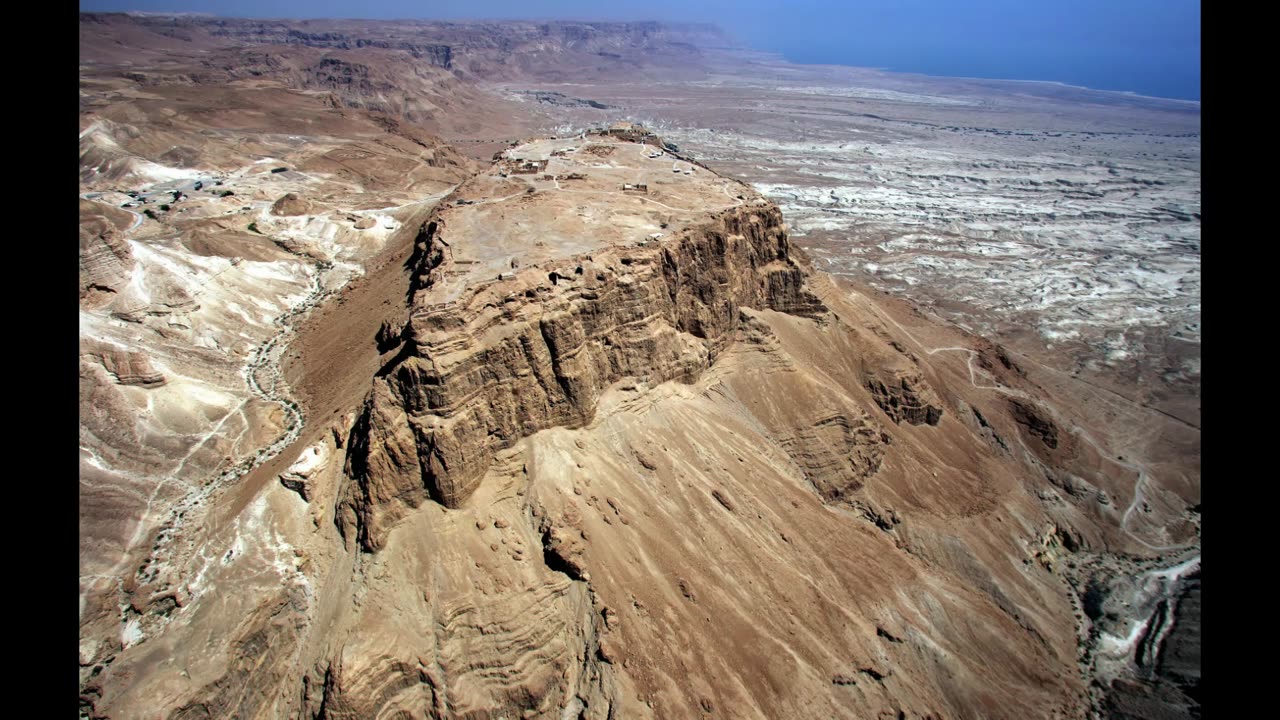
(1147, 46)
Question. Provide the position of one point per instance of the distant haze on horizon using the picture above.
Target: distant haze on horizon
(1150, 47)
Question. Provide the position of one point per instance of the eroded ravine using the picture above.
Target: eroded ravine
(157, 572)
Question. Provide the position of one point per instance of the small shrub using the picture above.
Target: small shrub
(148, 212)
(253, 227)
(164, 208)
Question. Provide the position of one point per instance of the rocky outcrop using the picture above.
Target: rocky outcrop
(126, 367)
(388, 337)
(1179, 658)
(519, 657)
(300, 475)
(1035, 422)
(670, 535)
(537, 351)
(903, 395)
(291, 205)
(837, 452)
(106, 261)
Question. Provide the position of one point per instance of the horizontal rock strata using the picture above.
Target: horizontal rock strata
(538, 350)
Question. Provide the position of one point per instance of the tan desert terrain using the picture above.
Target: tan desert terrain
(415, 385)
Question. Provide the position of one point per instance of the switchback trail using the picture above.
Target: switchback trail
(1073, 427)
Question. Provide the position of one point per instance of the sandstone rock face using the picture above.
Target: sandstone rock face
(472, 383)
(837, 450)
(126, 367)
(105, 258)
(636, 479)
(387, 337)
(1179, 659)
(904, 396)
(526, 654)
(678, 437)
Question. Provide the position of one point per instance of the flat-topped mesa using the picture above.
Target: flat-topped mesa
(494, 361)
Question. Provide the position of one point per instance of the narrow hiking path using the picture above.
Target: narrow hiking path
(1151, 585)
(177, 555)
(263, 379)
(1080, 432)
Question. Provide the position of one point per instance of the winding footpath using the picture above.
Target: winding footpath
(1156, 587)
(1057, 416)
(264, 380)
(175, 557)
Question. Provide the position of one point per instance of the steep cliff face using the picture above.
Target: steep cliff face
(650, 475)
(277, 33)
(559, 51)
(662, 478)
(904, 396)
(730, 528)
(536, 351)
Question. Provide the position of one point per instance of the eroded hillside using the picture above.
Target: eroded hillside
(372, 429)
(628, 455)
